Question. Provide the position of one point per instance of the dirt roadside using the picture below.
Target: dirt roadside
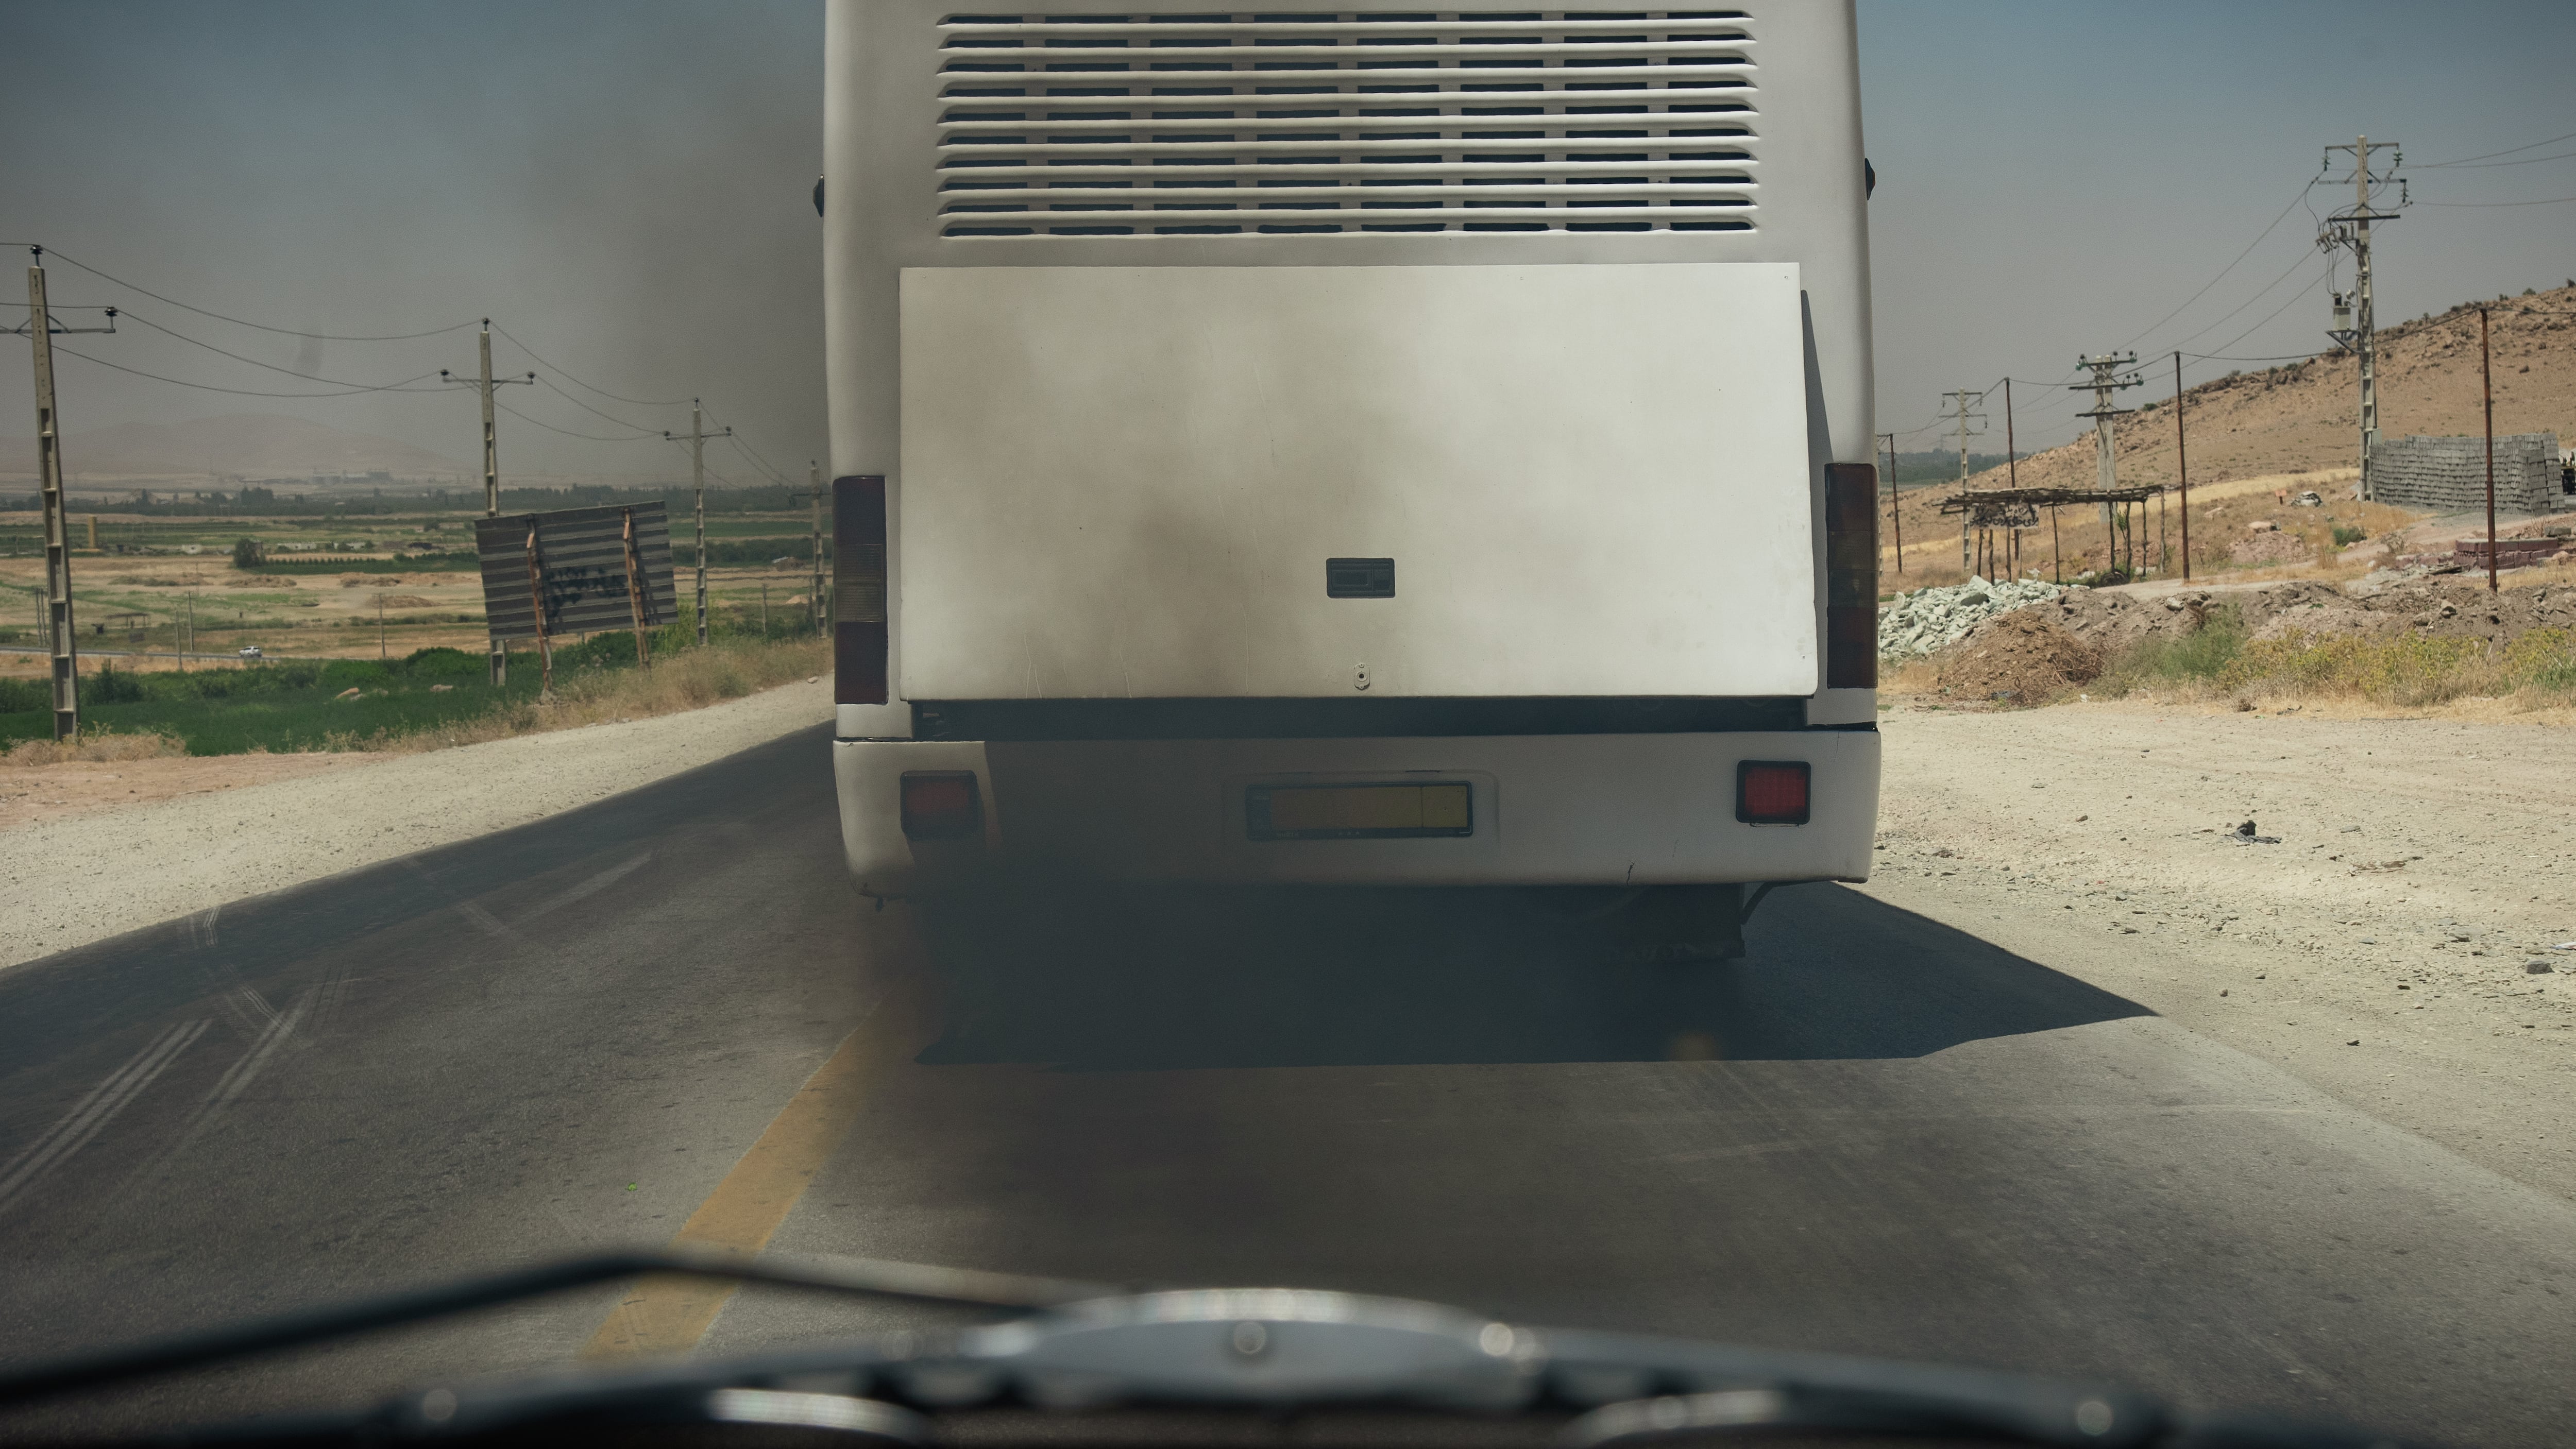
(2379, 950)
(196, 833)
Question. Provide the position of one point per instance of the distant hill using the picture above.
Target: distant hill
(2302, 416)
(249, 445)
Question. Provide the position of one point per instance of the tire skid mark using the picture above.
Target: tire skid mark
(242, 1073)
(249, 1010)
(590, 887)
(490, 923)
(236, 1079)
(91, 1114)
(334, 991)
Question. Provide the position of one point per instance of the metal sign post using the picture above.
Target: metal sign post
(537, 613)
(576, 570)
(638, 599)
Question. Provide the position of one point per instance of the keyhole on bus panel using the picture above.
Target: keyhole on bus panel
(1359, 677)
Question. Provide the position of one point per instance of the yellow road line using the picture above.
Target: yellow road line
(670, 1313)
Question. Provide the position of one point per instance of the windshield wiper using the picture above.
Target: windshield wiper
(1088, 1347)
(862, 1277)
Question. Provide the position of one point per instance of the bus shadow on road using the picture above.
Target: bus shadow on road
(1219, 978)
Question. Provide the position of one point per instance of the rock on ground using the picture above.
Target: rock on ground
(2439, 606)
(1926, 621)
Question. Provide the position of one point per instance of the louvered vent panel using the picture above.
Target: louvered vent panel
(1377, 121)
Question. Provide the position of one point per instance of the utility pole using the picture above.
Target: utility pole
(491, 465)
(1895, 520)
(49, 463)
(2486, 392)
(1960, 404)
(822, 617)
(2182, 468)
(698, 436)
(2351, 228)
(2106, 471)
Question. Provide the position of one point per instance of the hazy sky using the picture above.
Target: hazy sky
(625, 187)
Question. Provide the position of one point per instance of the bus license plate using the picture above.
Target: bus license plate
(1358, 812)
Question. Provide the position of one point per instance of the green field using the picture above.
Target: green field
(298, 704)
(282, 706)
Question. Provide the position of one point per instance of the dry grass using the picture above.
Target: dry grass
(2537, 669)
(685, 680)
(2220, 667)
(95, 746)
(2533, 677)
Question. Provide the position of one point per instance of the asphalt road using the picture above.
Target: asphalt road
(89, 653)
(1877, 1134)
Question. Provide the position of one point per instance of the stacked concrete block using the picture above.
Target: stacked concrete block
(2449, 475)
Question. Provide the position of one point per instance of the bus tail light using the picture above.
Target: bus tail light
(1770, 792)
(1851, 576)
(859, 597)
(941, 805)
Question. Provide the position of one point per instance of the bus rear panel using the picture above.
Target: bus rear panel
(1322, 445)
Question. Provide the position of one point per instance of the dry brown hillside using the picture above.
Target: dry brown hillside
(2296, 418)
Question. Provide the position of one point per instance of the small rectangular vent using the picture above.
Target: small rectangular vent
(1243, 124)
(1359, 578)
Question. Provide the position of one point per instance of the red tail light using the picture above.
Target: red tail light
(941, 805)
(1851, 576)
(1770, 792)
(859, 593)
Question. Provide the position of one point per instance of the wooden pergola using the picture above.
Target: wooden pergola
(1989, 510)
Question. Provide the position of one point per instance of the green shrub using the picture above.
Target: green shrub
(248, 553)
(2345, 535)
(106, 687)
(441, 663)
(342, 674)
(2166, 659)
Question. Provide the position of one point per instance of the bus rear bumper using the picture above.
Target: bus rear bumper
(1624, 809)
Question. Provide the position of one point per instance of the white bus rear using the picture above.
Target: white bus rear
(1315, 445)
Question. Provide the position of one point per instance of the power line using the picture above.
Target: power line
(585, 407)
(2275, 312)
(752, 456)
(2551, 201)
(567, 432)
(2222, 318)
(2295, 199)
(348, 389)
(2507, 151)
(2525, 161)
(403, 386)
(237, 357)
(641, 402)
(259, 326)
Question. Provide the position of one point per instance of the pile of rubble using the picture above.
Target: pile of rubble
(1925, 621)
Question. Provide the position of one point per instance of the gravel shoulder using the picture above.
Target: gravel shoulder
(2380, 950)
(200, 833)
